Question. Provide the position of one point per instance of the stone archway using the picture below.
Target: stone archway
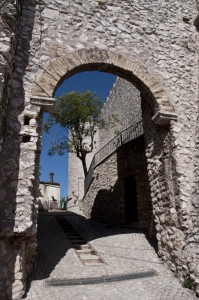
(164, 40)
(62, 67)
(158, 113)
(157, 107)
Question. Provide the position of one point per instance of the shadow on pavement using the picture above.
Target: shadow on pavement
(53, 244)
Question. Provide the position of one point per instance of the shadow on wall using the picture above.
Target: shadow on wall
(111, 201)
(108, 206)
(14, 252)
(128, 199)
(161, 165)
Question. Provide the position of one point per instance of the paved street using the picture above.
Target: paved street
(126, 254)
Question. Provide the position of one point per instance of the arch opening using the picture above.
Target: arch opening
(149, 106)
(156, 107)
(53, 74)
(156, 111)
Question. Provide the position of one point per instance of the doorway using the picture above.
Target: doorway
(131, 203)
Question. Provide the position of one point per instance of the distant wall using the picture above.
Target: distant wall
(105, 200)
(125, 105)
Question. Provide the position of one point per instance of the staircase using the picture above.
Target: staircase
(86, 253)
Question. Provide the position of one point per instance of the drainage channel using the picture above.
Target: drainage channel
(86, 253)
(102, 279)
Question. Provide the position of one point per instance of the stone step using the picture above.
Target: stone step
(84, 251)
(74, 237)
(78, 243)
(89, 257)
(70, 234)
(80, 247)
(92, 262)
(68, 228)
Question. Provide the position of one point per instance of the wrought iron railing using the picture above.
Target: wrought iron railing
(89, 175)
(125, 136)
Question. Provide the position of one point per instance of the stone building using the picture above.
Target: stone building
(49, 194)
(109, 196)
(76, 176)
(119, 191)
(153, 45)
(123, 103)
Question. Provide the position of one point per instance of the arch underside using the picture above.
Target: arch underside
(65, 66)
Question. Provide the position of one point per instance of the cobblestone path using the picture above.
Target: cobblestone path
(125, 252)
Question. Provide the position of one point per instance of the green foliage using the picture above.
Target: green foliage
(79, 115)
(63, 202)
(188, 283)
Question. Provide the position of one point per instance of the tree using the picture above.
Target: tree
(79, 114)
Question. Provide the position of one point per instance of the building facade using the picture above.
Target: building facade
(49, 194)
(119, 192)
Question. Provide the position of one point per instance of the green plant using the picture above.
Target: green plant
(188, 283)
(63, 203)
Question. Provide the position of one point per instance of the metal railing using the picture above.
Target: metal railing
(125, 136)
(89, 176)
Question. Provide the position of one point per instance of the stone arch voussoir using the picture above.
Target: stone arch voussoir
(58, 68)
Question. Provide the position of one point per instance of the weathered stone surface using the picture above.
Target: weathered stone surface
(105, 199)
(121, 110)
(154, 46)
(9, 18)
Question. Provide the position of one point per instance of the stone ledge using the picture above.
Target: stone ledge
(164, 117)
(46, 103)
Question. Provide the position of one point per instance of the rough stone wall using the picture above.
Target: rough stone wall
(177, 241)
(124, 105)
(160, 36)
(193, 237)
(105, 199)
(18, 240)
(9, 18)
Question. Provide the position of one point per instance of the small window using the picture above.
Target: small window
(26, 139)
(26, 120)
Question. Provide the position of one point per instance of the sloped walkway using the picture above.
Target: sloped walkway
(126, 253)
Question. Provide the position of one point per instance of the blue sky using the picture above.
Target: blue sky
(98, 82)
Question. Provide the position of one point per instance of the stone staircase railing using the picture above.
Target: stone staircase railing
(125, 136)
